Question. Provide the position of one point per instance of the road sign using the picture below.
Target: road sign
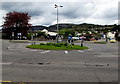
(19, 34)
(12, 33)
(69, 37)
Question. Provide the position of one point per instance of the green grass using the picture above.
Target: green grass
(101, 42)
(53, 46)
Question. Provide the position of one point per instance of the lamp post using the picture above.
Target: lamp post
(56, 6)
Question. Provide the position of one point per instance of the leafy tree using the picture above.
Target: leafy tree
(29, 36)
(17, 22)
(41, 34)
(66, 32)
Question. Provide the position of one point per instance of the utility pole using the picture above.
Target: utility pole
(56, 6)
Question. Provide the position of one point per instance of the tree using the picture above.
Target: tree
(17, 22)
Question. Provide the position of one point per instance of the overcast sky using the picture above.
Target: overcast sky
(73, 11)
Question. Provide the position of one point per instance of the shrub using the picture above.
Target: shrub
(49, 44)
(58, 45)
(42, 44)
(64, 44)
(29, 36)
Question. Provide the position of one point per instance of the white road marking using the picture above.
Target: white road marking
(10, 49)
(6, 63)
(106, 56)
(89, 49)
(66, 52)
(80, 51)
(33, 50)
(46, 51)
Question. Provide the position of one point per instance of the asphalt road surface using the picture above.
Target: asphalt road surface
(97, 64)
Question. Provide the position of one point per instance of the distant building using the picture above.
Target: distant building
(50, 35)
(110, 35)
(44, 30)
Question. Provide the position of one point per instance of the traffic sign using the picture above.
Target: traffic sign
(69, 37)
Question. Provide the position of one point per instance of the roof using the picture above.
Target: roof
(52, 33)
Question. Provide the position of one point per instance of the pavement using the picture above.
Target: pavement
(97, 64)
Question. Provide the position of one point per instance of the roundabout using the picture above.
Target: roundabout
(57, 46)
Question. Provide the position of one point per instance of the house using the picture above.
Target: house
(110, 35)
(50, 35)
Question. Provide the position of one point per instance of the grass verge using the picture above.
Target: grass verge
(53, 46)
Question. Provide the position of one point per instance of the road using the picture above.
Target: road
(97, 64)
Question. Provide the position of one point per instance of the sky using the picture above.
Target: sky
(43, 12)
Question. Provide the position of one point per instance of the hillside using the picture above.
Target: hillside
(83, 26)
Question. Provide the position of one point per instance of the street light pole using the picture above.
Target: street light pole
(56, 6)
(57, 26)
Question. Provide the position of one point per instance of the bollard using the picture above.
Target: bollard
(82, 43)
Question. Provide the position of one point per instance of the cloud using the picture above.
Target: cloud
(22, 7)
(44, 13)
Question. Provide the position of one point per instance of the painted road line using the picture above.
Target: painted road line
(46, 51)
(28, 50)
(89, 49)
(10, 49)
(6, 63)
(33, 50)
(106, 56)
(80, 51)
(66, 52)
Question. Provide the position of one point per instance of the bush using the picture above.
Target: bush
(42, 44)
(29, 36)
(58, 45)
(63, 44)
(49, 44)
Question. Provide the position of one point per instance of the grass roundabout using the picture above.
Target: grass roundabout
(56, 46)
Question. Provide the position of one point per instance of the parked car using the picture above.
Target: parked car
(112, 41)
(82, 37)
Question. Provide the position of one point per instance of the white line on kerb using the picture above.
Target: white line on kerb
(66, 52)
(6, 63)
(46, 51)
(80, 51)
(9, 48)
(89, 49)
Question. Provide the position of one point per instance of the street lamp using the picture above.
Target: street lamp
(56, 6)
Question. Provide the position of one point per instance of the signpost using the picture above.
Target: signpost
(12, 35)
(82, 38)
(69, 37)
(19, 35)
(70, 40)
